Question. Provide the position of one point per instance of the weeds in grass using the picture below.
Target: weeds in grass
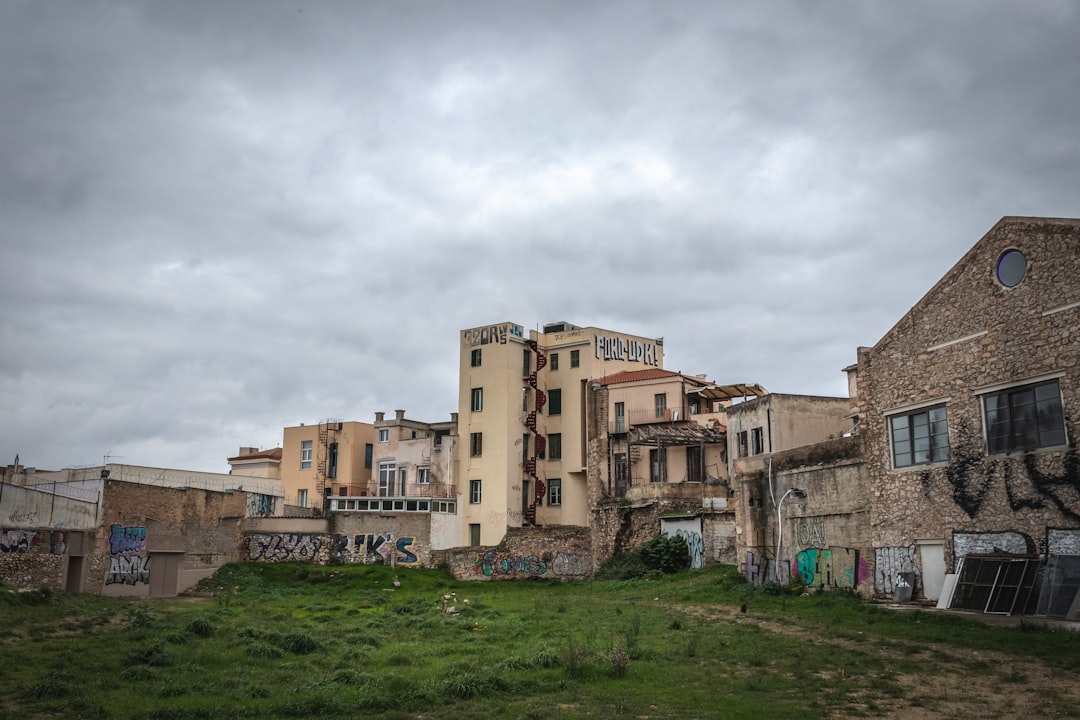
(138, 616)
(49, 685)
(619, 659)
(201, 627)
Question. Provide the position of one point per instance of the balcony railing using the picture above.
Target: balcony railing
(412, 490)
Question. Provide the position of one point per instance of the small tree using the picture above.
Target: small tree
(667, 553)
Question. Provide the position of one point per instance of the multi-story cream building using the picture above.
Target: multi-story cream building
(329, 458)
(523, 421)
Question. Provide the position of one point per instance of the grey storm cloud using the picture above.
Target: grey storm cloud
(221, 218)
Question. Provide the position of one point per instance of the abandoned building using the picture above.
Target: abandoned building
(958, 478)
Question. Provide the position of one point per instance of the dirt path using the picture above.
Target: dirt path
(957, 684)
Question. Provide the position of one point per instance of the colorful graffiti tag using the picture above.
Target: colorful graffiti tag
(694, 545)
(495, 563)
(374, 548)
(18, 541)
(831, 568)
(124, 540)
(126, 566)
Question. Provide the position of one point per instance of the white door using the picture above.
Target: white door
(932, 555)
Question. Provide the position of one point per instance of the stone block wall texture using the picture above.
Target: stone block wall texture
(139, 521)
(560, 552)
(971, 332)
(619, 526)
(33, 557)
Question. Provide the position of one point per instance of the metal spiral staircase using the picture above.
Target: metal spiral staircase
(539, 440)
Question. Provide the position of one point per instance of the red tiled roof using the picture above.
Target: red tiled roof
(637, 375)
(274, 454)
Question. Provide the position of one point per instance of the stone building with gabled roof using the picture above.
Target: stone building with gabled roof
(967, 409)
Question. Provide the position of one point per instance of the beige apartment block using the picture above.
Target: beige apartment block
(523, 418)
(325, 459)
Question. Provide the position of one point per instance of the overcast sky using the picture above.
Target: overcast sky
(218, 219)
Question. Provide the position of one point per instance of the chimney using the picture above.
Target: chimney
(453, 418)
(400, 414)
(379, 416)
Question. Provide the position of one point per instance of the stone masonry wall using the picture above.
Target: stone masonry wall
(556, 552)
(970, 332)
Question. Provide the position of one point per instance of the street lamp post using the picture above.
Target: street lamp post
(798, 492)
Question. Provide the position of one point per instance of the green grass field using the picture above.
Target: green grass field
(298, 641)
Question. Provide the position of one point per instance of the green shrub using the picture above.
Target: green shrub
(667, 553)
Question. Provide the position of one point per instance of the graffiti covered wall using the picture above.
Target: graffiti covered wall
(561, 552)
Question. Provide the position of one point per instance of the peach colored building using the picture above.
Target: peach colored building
(329, 458)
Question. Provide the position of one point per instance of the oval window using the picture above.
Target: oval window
(1011, 268)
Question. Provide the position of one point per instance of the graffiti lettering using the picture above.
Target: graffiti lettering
(405, 554)
(18, 541)
(617, 348)
(260, 505)
(760, 572)
(128, 570)
(810, 532)
(124, 540)
(694, 545)
(890, 562)
(492, 334)
(831, 568)
(567, 565)
(287, 547)
(1014, 543)
(492, 563)
(27, 518)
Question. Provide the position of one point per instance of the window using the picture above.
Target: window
(622, 468)
(554, 495)
(301, 498)
(554, 361)
(757, 441)
(387, 469)
(476, 444)
(744, 446)
(1024, 418)
(1011, 268)
(477, 401)
(369, 450)
(575, 358)
(474, 534)
(658, 465)
(661, 404)
(919, 437)
(620, 417)
(555, 402)
(474, 361)
(525, 449)
(403, 476)
(423, 476)
(695, 464)
(305, 455)
(384, 434)
(554, 446)
(474, 492)
(331, 465)
(526, 363)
